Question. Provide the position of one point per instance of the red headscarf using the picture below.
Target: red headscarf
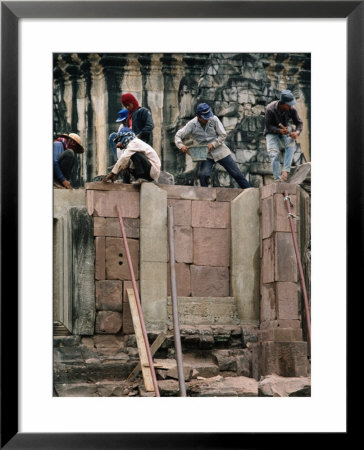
(129, 98)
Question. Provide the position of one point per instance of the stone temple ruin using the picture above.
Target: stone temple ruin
(241, 315)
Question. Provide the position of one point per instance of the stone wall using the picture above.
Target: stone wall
(87, 90)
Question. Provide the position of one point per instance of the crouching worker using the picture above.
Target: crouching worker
(137, 158)
(64, 149)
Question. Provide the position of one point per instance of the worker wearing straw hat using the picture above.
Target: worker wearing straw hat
(64, 149)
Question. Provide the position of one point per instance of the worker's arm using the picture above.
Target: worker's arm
(182, 134)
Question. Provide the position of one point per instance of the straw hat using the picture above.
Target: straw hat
(75, 137)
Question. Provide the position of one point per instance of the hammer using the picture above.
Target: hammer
(285, 128)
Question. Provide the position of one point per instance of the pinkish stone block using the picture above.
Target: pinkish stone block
(268, 303)
(277, 188)
(181, 211)
(100, 258)
(268, 260)
(227, 194)
(183, 280)
(183, 250)
(189, 192)
(267, 217)
(109, 295)
(281, 221)
(117, 267)
(285, 258)
(111, 227)
(211, 247)
(108, 322)
(287, 359)
(287, 300)
(210, 214)
(209, 281)
(105, 202)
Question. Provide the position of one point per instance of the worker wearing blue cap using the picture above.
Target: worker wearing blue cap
(207, 129)
(122, 117)
(279, 134)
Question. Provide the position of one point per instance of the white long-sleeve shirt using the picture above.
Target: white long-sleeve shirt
(213, 133)
(137, 145)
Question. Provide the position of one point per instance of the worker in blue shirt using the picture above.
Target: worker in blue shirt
(64, 149)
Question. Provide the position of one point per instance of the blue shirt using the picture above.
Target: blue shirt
(58, 149)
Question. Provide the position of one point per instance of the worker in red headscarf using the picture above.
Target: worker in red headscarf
(139, 119)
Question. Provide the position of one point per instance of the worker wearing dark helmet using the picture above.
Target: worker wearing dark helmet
(207, 129)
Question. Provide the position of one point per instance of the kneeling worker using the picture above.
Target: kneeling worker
(137, 158)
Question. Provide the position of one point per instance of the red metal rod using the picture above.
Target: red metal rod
(303, 284)
(145, 336)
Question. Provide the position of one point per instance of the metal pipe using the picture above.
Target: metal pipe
(177, 337)
(145, 336)
(300, 269)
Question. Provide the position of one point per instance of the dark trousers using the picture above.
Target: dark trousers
(229, 165)
(66, 161)
(142, 167)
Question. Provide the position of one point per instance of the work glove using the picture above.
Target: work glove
(110, 176)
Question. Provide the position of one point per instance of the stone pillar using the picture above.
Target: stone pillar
(153, 256)
(281, 348)
(245, 261)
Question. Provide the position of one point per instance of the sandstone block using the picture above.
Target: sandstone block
(267, 217)
(183, 280)
(277, 188)
(227, 194)
(183, 239)
(104, 203)
(268, 303)
(109, 295)
(181, 211)
(285, 258)
(111, 227)
(287, 300)
(279, 334)
(189, 192)
(211, 247)
(267, 260)
(108, 322)
(281, 221)
(116, 262)
(210, 214)
(287, 359)
(209, 281)
(280, 323)
(100, 258)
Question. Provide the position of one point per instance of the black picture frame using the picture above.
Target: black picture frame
(11, 12)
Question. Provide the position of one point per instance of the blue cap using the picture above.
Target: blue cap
(203, 110)
(122, 115)
(287, 98)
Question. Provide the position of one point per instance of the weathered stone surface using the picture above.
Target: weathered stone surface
(224, 387)
(116, 261)
(100, 269)
(109, 295)
(268, 303)
(183, 280)
(76, 390)
(183, 248)
(202, 366)
(83, 270)
(279, 334)
(287, 359)
(301, 173)
(281, 221)
(190, 192)
(227, 194)
(287, 301)
(267, 217)
(153, 290)
(225, 359)
(168, 388)
(171, 369)
(285, 258)
(111, 227)
(210, 214)
(277, 188)
(105, 202)
(277, 386)
(209, 281)
(181, 211)
(245, 249)
(211, 247)
(244, 364)
(280, 323)
(108, 322)
(128, 326)
(267, 267)
(205, 310)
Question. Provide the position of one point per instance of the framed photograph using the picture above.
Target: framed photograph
(331, 32)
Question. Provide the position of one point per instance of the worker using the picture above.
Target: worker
(64, 149)
(207, 129)
(139, 118)
(122, 119)
(279, 134)
(138, 159)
